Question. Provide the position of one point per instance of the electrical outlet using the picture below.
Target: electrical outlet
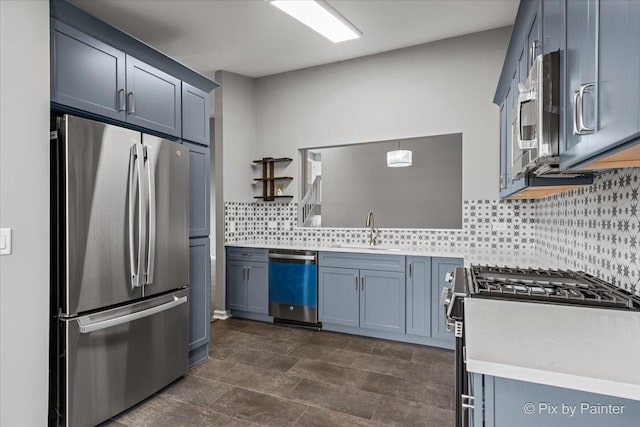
(231, 227)
(5, 241)
(499, 226)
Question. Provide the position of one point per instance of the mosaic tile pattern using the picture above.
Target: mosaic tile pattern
(278, 221)
(595, 229)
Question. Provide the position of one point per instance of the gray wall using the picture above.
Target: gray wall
(236, 112)
(437, 88)
(428, 194)
(24, 207)
(212, 184)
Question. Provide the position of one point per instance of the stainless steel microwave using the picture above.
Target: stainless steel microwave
(536, 118)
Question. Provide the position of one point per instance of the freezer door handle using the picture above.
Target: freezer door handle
(86, 328)
(151, 178)
(136, 261)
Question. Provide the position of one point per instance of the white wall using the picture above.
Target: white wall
(437, 88)
(24, 207)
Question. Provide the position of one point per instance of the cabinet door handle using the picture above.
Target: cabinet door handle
(582, 129)
(532, 51)
(132, 102)
(356, 282)
(579, 127)
(362, 287)
(410, 265)
(121, 101)
(248, 273)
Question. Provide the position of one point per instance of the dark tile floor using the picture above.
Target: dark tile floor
(268, 375)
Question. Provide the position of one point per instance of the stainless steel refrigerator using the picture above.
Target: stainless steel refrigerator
(120, 268)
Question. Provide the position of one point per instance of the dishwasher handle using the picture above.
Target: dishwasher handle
(293, 257)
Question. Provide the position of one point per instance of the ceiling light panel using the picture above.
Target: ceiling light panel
(321, 17)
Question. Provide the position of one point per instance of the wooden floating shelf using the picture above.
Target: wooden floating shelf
(272, 197)
(274, 160)
(269, 179)
(276, 178)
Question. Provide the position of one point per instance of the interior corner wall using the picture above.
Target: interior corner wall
(212, 184)
(236, 113)
(24, 207)
(436, 88)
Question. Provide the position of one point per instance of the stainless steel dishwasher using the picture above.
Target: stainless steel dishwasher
(293, 286)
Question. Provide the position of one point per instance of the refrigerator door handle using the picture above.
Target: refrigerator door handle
(86, 328)
(132, 213)
(136, 265)
(151, 178)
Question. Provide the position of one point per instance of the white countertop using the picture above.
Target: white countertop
(502, 257)
(591, 349)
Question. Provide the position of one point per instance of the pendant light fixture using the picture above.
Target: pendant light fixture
(399, 158)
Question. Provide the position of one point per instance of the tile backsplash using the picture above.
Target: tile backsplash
(278, 221)
(595, 229)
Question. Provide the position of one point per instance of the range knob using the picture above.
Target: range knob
(445, 297)
(449, 277)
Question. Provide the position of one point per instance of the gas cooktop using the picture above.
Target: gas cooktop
(555, 286)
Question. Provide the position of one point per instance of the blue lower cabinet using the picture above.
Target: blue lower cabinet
(248, 284)
(199, 299)
(384, 296)
(258, 287)
(509, 403)
(237, 285)
(382, 301)
(339, 296)
(418, 296)
(439, 269)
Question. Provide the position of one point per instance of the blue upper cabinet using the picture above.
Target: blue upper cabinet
(599, 44)
(100, 72)
(199, 205)
(603, 59)
(580, 82)
(86, 74)
(195, 114)
(154, 98)
(533, 46)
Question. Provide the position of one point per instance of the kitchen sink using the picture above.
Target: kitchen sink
(367, 247)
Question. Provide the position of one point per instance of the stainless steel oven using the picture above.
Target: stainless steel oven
(483, 283)
(536, 119)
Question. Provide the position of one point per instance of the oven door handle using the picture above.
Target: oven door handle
(526, 95)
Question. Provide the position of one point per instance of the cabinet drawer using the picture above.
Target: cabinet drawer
(247, 254)
(362, 261)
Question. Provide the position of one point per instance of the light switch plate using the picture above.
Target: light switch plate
(5, 241)
(232, 227)
(499, 226)
(273, 224)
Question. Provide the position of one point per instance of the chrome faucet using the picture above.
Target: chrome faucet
(373, 232)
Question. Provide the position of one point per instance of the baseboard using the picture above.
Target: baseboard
(221, 314)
